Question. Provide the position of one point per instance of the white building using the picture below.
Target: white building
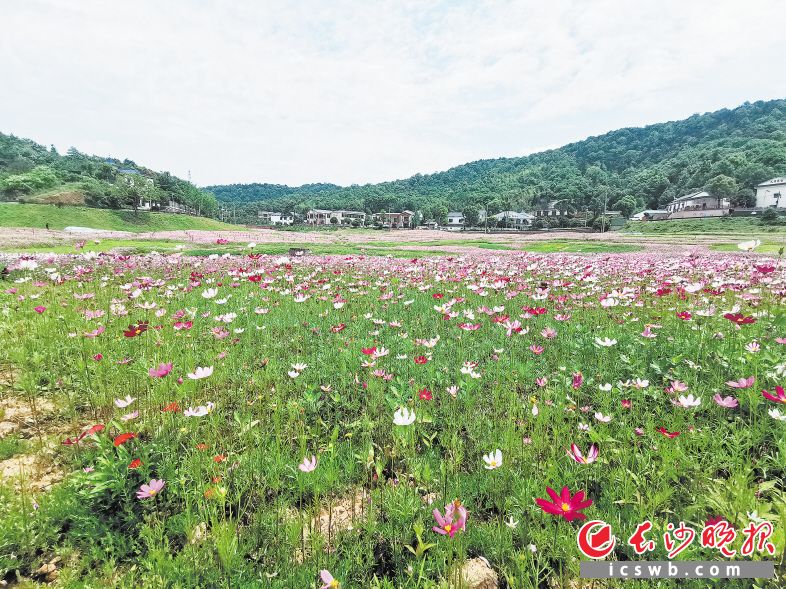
(323, 217)
(271, 218)
(514, 219)
(696, 201)
(771, 193)
(455, 219)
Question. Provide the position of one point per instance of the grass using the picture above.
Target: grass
(712, 226)
(764, 248)
(584, 247)
(11, 446)
(142, 246)
(318, 356)
(37, 215)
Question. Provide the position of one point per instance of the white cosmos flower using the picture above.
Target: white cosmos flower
(511, 523)
(293, 374)
(602, 418)
(300, 367)
(606, 387)
(775, 414)
(605, 342)
(123, 403)
(688, 402)
(200, 411)
(748, 246)
(200, 372)
(493, 459)
(209, 293)
(403, 416)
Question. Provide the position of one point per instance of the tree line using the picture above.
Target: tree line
(726, 152)
(27, 169)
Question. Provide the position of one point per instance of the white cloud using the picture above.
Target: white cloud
(366, 91)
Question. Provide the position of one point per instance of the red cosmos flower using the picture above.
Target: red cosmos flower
(626, 404)
(123, 438)
(136, 329)
(662, 292)
(684, 315)
(219, 458)
(369, 351)
(134, 464)
(172, 407)
(338, 328)
(255, 278)
(420, 359)
(201, 446)
(667, 433)
(739, 318)
(93, 430)
(437, 295)
(425, 395)
(564, 505)
(779, 397)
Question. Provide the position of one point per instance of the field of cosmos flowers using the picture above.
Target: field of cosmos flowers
(325, 421)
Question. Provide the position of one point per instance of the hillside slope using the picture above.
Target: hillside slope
(735, 148)
(34, 215)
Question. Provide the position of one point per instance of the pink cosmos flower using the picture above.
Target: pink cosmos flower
(727, 402)
(151, 489)
(576, 454)
(780, 340)
(454, 520)
(130, 416)
(308, 464)
(742, 383)
(536, 349)
(578, 380)
(328, 580)
(161, 371)
(541, 381)
(39, 309)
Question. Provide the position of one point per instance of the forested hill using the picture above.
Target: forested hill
(30, 172)
(728, 151)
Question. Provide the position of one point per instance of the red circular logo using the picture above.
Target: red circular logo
(595, 539)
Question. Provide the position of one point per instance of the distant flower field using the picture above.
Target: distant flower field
(356, 421)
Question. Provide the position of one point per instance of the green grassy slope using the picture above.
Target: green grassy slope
(34, 215)
(725, 225)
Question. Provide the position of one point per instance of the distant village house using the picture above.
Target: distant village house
(323, 217)
(771, 193)
(271, 218)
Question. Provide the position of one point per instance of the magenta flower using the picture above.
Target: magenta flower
(578, 380)
(151, 489)
(39, 309)
(578, 456)
(778, 397)
(454, 520)
(161, 371)
(727, 402)
(742, 383)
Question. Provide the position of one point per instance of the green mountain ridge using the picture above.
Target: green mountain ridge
(30, 172)
(728, 151)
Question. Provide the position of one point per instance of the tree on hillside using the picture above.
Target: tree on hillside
(626, 205)
(722, 186)
(471, 216)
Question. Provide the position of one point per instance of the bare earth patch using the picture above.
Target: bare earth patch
(34, 471)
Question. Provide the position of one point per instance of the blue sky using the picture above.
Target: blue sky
(364, 91)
